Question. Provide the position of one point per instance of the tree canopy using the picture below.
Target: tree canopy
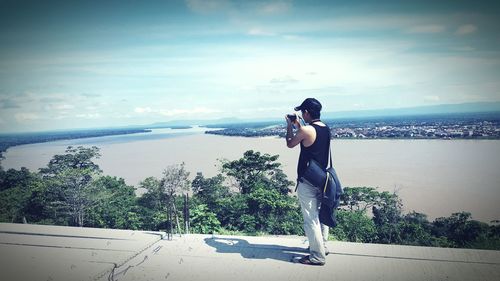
(251, 195)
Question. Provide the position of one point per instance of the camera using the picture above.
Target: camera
(292, 117)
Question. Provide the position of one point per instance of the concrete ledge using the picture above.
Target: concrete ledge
(41, 252)
(35, 252)
(207, 257)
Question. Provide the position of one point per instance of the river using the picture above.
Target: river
(435, 177)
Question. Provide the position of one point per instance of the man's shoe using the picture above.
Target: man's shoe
(306, 260)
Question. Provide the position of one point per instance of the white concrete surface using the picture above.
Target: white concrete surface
(206, 257)
(38, 252)
(31, 252)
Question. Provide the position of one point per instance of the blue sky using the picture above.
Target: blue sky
(80, 64)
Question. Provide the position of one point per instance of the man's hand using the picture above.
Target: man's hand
(293, 140)
(295, 122)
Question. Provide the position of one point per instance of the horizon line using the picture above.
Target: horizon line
(236, 120)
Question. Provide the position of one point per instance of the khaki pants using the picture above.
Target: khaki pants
(317, 233)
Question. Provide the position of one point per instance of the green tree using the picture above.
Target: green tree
(263, 203)
(74, 193)
(16, 178)
(255, 167)
(354, 226)
(492, 240)
(280, 182)
(234, 214)
(386, 212)
(154, 198)
(203, 220)
(359, 198)
(416, 230)
(210, 190)
(16, 187)
(116, 207)
(69, 180)
(74, 158)
(273, 212)
(387, 215)
(38, 206)
(152, 204)
(461, 229)
(175, 181)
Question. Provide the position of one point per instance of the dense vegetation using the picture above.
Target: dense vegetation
(251, 195)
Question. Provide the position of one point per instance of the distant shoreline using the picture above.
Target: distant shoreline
(351, 138)
(10, 140)
(459, 126)
(466, 126)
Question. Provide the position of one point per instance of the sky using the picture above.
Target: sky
(88, 64)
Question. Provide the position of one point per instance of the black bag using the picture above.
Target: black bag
(315, 174)
(329, 183)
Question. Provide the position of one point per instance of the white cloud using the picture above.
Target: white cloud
(429, 28)
(292, 37)
(238, 8)
(61, 116)
(87, 95)
(175, 112)
(263, 109)
(284, 80)
(466, 29)
(64, 106)
(88, 115)
(123, 116)
(143, 110)
(26, 117)
(58, 107)
(376, 22)
(207, 6)
(463, 49)
(278, 7)
(260, 32)
(196, 110)
(51, 99)
(59, 103)
(431, 98)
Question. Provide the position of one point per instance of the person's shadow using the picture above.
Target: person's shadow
(255, 251)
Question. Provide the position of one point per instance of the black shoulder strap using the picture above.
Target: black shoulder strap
(330, 149)
(330, 145)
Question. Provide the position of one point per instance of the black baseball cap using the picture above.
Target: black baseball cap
(309, 104)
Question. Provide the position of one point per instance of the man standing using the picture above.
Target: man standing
(314, 140)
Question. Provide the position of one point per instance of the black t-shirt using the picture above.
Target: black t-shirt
(318, 151)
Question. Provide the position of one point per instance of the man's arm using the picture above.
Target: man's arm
(293, 140)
